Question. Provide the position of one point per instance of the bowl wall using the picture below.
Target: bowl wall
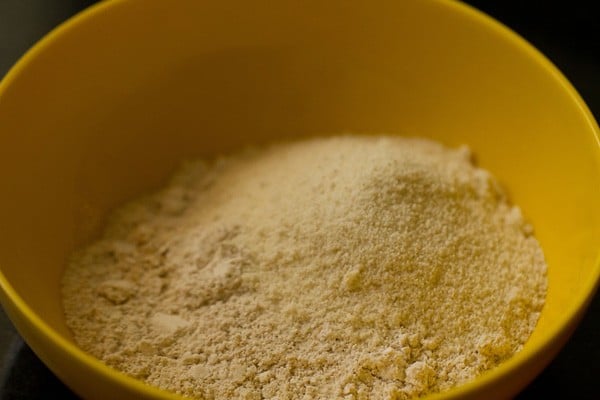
(105, 107)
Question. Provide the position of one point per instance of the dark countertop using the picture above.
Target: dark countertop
(567, 32)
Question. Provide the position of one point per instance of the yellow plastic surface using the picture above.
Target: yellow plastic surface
(104, 107)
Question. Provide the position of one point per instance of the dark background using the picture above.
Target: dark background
(566, 32)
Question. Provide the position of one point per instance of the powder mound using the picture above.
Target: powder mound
(350, 267)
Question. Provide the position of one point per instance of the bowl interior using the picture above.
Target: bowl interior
(105, 108)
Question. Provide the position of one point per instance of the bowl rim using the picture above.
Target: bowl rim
(471, 388)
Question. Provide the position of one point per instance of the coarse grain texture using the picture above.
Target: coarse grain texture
(350, 267)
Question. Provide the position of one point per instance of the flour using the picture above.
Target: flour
(350, 267)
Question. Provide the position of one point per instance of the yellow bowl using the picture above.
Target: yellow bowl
(104, 107)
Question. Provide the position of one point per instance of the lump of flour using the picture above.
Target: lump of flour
(350, 267)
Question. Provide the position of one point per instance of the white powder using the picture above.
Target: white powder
(349, 267)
